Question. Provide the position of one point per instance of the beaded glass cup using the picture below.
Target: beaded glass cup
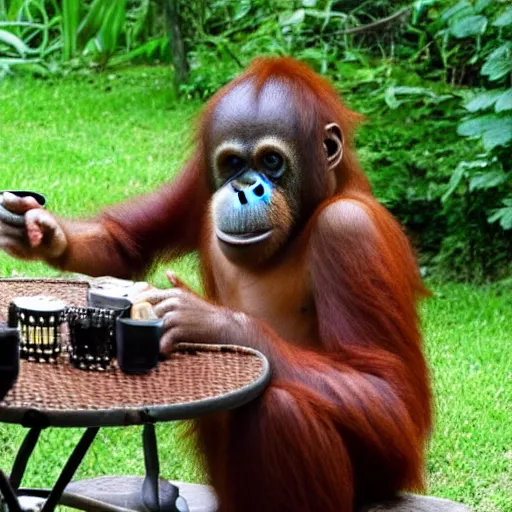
(92, 337)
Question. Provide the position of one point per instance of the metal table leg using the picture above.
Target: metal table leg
(150, 487)
(70, 468)
(9, 496)
(151, 494)
(152, 465)
(24, 453)
(9, 488)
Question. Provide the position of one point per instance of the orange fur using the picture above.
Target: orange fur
(348, 411)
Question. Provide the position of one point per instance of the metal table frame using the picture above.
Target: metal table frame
(10, 487)
(93, 420)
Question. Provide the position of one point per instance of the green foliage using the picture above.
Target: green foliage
(223, 36)
(414, 156)
(494, 130)
(70, 14)
(469, 26)
(79, 33)
(490, 112)
(473, 43)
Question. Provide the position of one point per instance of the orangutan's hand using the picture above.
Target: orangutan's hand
(188, 318)
(39, 237)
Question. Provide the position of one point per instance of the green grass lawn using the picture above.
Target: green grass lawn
(91, 141)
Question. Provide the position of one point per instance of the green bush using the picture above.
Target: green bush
(438, 155)
(480, 188)
(223, 36)
(411, 149)
(46, 36)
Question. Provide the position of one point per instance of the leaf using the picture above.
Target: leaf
(504, 215)
(112, 26)
(419, 7)
(476, 126)
(463, 8)
(309, 3)
(488, 180)
(495, 130)
(483, 100)
(474, 59)
(504, 19)
(455, 179)
(480, 5)
(11, 40)
(92, 21)
(242, 9)
(469, 26)
(459, 173)
(391, 93)
(146, 49)
(390, 99)
(325, 15)
(497, 68)
(70, 14)
(499, 62)
(14, 9)
(501, 51)
(412, 90)
(292, 18)
(504, 101)
(499, 134)
(33, 68)
(11, 61)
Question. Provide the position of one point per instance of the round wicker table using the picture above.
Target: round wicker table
(194, 381)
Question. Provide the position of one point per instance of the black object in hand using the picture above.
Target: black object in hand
(9, 358)
(12, 218)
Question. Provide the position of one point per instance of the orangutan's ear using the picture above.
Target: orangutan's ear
(333, 144)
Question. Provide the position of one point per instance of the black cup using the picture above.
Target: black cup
(14, 219)
(92, 336)
(9, 358)
(138, 344)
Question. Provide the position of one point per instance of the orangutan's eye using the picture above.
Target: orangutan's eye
(273, 163)
(234, 164)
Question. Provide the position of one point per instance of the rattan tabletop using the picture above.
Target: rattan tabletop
(195, 380)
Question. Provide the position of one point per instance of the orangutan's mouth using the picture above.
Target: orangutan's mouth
(243, 238)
